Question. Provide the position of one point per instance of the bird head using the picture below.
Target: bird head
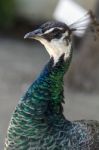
(55, 36)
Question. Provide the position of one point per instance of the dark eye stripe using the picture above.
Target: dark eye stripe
(58, 30)
(56, 33)
(48, 37)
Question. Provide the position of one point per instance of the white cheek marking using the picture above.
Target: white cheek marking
(65, 34)
(57, 47)
(50, 30)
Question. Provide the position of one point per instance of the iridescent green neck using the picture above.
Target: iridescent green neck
(48, 87)
(41, 106)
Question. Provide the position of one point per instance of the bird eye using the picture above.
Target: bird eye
(57, 33)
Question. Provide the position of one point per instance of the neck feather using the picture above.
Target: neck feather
(48, 87)
(41, 105)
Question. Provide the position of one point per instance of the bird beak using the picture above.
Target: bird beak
(34, 34)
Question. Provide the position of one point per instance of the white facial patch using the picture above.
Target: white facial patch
(50, 30)
(57, 47)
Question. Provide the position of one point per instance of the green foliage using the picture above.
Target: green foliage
(6, 13)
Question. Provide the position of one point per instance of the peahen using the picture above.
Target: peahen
(38, 122)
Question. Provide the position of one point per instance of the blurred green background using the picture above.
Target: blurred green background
(22, 60)
(7, 15)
